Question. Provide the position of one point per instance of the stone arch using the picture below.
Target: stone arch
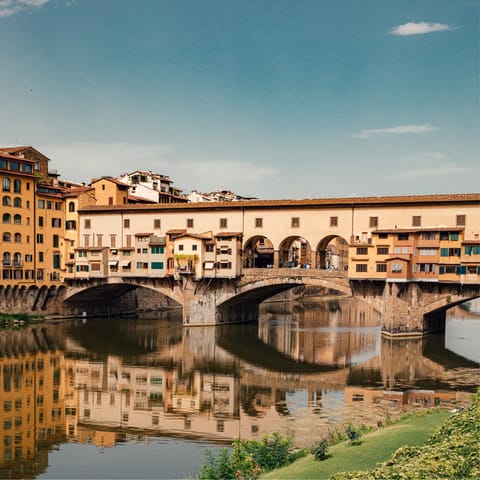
(258, 252)
(294, 251)
(332, 253)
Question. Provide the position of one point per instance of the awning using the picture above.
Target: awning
(113, 263)
(125, 263)
(209, 265)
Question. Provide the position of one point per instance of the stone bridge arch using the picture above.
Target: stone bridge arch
(241, 304)
(122, 294)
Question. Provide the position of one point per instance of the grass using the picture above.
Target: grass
(372, 449)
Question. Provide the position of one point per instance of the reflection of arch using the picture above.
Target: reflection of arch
(258, 252)
(332, 253)
(294, 251)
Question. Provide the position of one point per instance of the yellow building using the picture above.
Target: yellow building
(17, 246)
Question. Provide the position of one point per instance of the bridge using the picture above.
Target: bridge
(406, 308)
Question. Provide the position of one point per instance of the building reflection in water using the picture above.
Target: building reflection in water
(303, 370)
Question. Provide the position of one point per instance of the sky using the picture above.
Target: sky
(267, 98)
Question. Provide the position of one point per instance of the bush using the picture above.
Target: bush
(320, 450)
(248, 458)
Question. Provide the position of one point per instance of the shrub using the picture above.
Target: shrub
(248, 458)
(320, 450)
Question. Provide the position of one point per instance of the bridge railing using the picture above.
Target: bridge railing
(296, 271)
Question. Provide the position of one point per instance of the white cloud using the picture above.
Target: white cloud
(400, 130)
(412, 28)
(11, 7)
(80, 162)
(431, 164)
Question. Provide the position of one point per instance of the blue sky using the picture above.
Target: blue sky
(269, 98)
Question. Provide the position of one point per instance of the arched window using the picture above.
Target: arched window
(17, 202)
(7, 237)
(17, 186)
(17, 219)
(7, 259)
(6, 218)
(6, 184)
(71, 206)
(6, 202)
(17, 238)
(17, 259)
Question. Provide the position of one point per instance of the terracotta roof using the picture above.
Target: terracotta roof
(354, 202)
(194, 235)
(229, 234)
(471, 242)
(74, 192)
(110, 179)
(147, 234)
(176, 230)
(136, 198)
(4, 154)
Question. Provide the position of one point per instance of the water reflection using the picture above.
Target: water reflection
(302, 370)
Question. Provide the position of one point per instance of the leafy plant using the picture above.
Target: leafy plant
(320, 450)
(248, 458)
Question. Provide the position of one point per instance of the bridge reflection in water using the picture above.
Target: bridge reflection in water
(302, 370)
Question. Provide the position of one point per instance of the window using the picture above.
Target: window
(295, 222)
(17, 186)
(7, 237)
(6, 184)
(361, 267)
(87, 223)
(113, 241)
(223, 223)
(258, 222)
(17, 202)
(157, 250)
(416, 221)
(3, 163)
(26, 168)
(41, 204)
(428, 236)
(334, 221)
(99, 239)
(71, 225)
(6, 218)
(14, 166)
(209, 247)
(6, 202)
(56, 260)
(403, 236)
(194, 248)
(17, 219)
(381, 267)
(397, 267)
(157, 265)
(55, 241)
(189, 222)
(18, 238)
(126, 223)
(427, 252)
(40, 221)
(56, 222)
(382, 251)
(156, 223)
(39, 237)
(71, 206)
(180, 248)
(362, 251)
(373, 222)
(461, 220)
(383, 235)
(40, 256)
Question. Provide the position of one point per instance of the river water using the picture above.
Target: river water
(144, 397)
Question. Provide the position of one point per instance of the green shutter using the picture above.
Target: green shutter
(444, 252)
(454, 236)
(442, 270)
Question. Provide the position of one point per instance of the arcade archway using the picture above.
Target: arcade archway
(258, 252)
(294, 252)
(332, 253)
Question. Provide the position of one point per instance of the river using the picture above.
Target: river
(144, 397)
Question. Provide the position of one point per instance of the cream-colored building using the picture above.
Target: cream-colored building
(398, 238)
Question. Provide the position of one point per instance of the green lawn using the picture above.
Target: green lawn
(374, 448)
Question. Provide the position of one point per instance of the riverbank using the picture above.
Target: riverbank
(18, 320)
(372, 448)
